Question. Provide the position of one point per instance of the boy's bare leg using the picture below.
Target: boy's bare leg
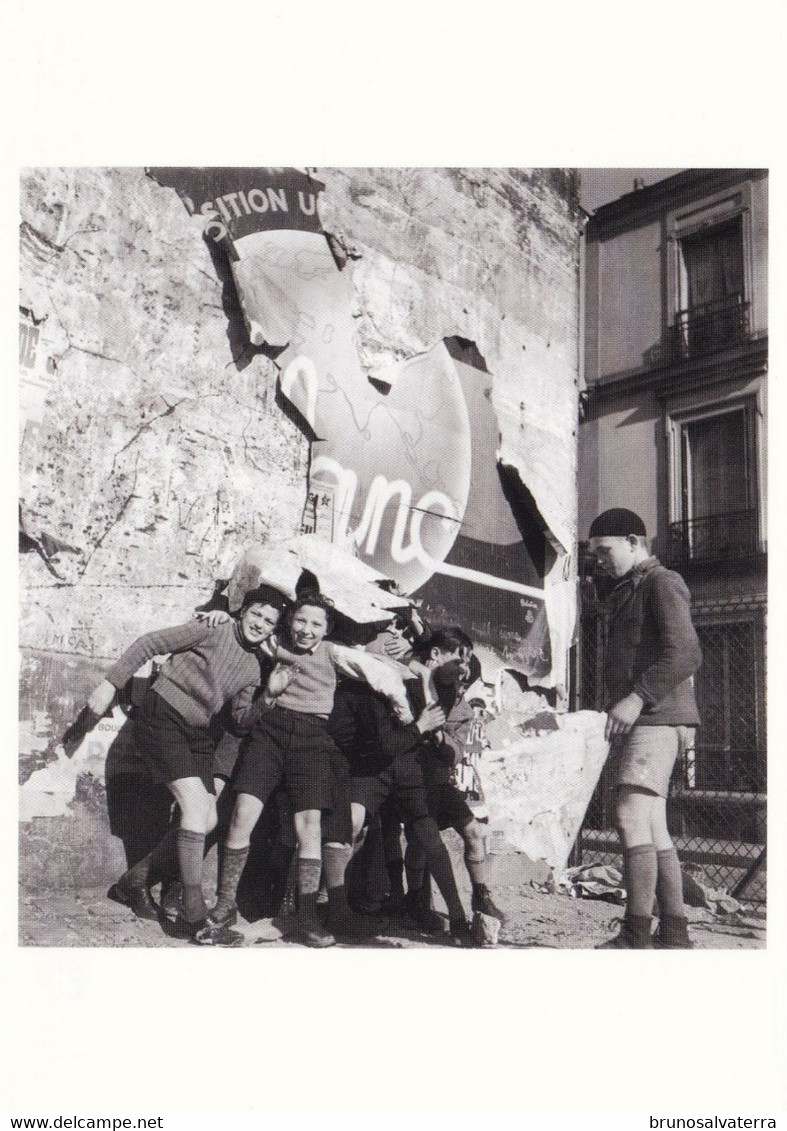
(477, 864)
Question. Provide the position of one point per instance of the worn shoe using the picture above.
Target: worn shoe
(171, 899)
(634, 934)
(672, 933)
(460, 932)
(482, 901)
(486, 930)
(211, 933)
(313, 935)
(205, 932)
(136, 897)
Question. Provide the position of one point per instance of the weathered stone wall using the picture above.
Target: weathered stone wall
(156, 446)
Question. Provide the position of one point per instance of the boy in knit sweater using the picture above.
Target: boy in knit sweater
(651, 653)
(290, 743)
(208, 667)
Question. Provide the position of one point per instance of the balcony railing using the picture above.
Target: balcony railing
(720, 538)
(711, 326)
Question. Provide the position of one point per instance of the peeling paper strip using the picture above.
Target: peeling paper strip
(49, 792)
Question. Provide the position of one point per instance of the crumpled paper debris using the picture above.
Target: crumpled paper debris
(590, 881)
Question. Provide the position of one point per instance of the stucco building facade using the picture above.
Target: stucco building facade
(675, 411)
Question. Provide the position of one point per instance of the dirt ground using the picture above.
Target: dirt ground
(86, 918)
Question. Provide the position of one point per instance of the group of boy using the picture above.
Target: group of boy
(352, 732)
(311, 714)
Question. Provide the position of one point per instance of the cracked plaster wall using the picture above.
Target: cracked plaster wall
(158, 448)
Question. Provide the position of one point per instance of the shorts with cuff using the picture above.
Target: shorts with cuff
(292, 748)
(171, 747)
(402, 782)
(646, 756)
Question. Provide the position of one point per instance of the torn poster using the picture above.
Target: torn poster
(404, 468)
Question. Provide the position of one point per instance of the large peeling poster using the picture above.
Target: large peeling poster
(404, 465)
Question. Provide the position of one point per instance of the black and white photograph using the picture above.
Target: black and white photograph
(393, 557)
(390, 612)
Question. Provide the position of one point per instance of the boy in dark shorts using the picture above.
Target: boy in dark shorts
(290, 743)
(386, 763)
(651, 652)
(207, 668)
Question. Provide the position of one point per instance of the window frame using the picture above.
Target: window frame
(676, 420)
(702, 216)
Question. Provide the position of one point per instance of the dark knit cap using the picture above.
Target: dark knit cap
(617, 523)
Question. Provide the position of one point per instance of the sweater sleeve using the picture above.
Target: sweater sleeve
(243, 709)
(678, 653)
(157, 643)
(361, 665)
(247, 705)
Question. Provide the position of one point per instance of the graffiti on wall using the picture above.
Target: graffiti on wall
(403, 466)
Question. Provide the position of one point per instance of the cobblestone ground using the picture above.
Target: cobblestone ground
(86, 918)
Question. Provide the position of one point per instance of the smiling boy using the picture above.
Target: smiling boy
(290, 744)
(207, 668)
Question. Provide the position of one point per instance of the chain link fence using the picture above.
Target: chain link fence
(717, 800)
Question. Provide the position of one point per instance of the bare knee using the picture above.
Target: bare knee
(197, 805)
(309, 833)
(475, 844)
(633, 815)
(245, 814)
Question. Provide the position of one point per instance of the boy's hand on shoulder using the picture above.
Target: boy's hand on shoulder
(622, 717)
(101, 699)
(431, 718)
(214, 618)
(396, 646)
